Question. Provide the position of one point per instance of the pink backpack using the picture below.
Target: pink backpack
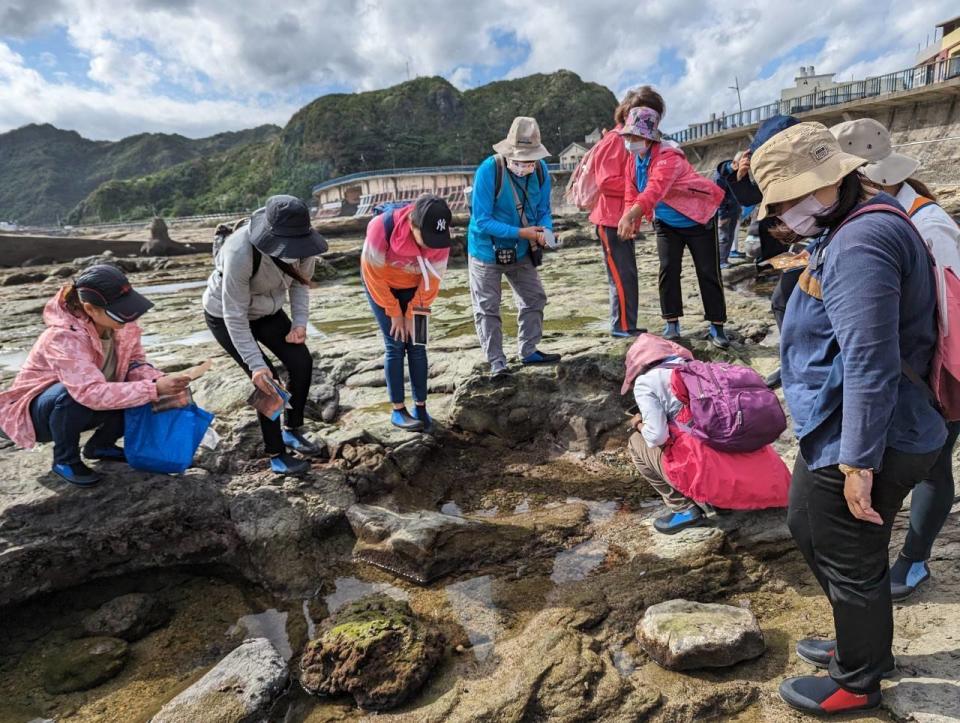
(732, 408)
(943, 384)
(582, 189)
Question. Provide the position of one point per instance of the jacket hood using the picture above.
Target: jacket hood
(404, 244)
(56, 313)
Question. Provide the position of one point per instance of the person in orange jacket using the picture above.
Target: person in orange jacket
(402, 264)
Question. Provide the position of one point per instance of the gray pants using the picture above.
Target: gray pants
(528, 294)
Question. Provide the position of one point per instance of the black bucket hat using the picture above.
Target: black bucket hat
(107, 287)
(282, 230)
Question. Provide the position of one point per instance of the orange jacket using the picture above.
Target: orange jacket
(400, 264)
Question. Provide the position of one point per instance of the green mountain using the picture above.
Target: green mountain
(423, 122)
(45, 171)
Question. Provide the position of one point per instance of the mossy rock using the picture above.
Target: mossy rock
(374, 649)
(83, 664)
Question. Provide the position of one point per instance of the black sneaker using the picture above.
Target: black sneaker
(819, 653)
(773, 381)
(906, 576)
(718, 337)
(673, 522)
(820, 695)
(76, 474)
(113, 453)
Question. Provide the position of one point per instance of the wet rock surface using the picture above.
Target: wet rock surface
(84, 663)
(239, 688)
(685, 635)
(129, 617)
(375, 650)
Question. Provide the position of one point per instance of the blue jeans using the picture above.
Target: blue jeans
(59, 418)
(394, 352)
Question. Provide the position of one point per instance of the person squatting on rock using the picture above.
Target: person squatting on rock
(610, 158)
(690, 476)
(661, 185)
(864, 306)
(510, 223)
(402, 264)
(891, 172)
(87, 367)
(261, 264)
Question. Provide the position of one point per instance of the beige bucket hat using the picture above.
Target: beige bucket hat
(797, 161)
(523, 141)
(869, 139)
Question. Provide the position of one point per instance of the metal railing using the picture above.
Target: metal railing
(420, 171)
(908, 79)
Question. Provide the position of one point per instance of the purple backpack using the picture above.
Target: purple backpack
(733, 410)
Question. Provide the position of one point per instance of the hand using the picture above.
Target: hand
(533, 234)
(408, 325)
(263, 380)
(297, 335)
(743, 168)
(626, 228)
(636, 423)
(169, 386)
(856, 490)
(398, 328)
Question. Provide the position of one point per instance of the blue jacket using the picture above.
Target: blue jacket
(866, 299)
(495, 220)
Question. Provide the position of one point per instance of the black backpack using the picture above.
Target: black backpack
(223, 231)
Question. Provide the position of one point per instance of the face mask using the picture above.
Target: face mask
(638, 147)
(802, 217)
(520, 168)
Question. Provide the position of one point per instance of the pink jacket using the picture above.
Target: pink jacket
(609, 158)
(69, 351)
(672, 180)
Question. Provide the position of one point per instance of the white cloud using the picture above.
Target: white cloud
(147, 58)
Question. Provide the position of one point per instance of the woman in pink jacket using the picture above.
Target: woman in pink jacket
(663, 187)
(86, 368)
(610, 158)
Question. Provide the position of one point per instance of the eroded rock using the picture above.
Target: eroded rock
(129, 617)
(685, 635)
(375, 650)
(83, 664)
(238, 689)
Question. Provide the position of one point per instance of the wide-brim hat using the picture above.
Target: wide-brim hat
(282, 230)
(870, 139)
(797, 161)
(523, 141)
(644, 122)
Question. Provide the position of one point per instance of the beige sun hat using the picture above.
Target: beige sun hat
(869, 139)
(797, 161)
(523, 141)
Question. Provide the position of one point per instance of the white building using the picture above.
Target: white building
(571, 156)
(808, 82)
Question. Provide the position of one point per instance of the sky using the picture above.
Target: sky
(112, 68)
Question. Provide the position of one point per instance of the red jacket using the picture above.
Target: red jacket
(609, 159)
(672, 180)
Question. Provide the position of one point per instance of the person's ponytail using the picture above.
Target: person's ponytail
(71, 299)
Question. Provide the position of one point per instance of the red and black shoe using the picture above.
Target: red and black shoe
(820, 695)
(820, 652)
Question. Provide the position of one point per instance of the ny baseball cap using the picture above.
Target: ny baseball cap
(432, 216)
(106, 286)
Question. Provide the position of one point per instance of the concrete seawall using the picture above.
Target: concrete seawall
(17, 248)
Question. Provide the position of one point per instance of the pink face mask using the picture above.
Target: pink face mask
(521, 168)
(802, 217)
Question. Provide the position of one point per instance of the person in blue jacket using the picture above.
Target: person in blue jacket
(510, 224)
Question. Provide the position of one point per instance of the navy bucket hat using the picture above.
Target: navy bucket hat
(769, 128)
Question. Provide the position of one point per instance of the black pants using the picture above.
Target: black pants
(271, 332)
(620, 258)
(781, 294)
(704, 247)
(850, 560)
(931, 502)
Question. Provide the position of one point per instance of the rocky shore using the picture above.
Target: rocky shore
(508, 561)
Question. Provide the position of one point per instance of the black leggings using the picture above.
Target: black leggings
(271, 332)
(704, 247)
(931, 502)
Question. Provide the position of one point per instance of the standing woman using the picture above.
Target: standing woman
(891, 172)
(662, 185)
(403, 261)
(259, 266)
(619, 254)
(864, 307)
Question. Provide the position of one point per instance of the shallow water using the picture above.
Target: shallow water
(173, 288)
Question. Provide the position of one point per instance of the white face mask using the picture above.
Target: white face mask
(802, 217)
(521, 168)
(638, 147)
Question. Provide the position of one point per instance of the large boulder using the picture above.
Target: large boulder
(160, 243)
(685, 635)
(240, 688)
(375, 650)
(424, 545)
(129, 617)
(83, 664)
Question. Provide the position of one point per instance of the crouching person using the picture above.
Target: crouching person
(690, 474)
(86, 368)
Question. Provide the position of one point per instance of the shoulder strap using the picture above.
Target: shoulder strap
(389, 222)
(873, 208)
(498, 178)
(521, 211)
(540, 172)
(920, 203)
(257, 258)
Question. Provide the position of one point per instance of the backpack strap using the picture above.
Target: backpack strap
(257, 259)
(498, 177)
(389, 223)
(540, 171)
(920, 203)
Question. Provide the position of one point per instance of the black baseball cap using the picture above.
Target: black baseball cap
(432, 216)
(282, 229)
(107, 287)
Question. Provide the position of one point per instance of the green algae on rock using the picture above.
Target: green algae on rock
(83, 664)
(374, 649)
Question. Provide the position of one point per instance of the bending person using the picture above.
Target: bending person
(86, 368)
(403, 261)
(865, 304)
(662, 186)
(891, 172)
(261, 264)
(509, 224)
